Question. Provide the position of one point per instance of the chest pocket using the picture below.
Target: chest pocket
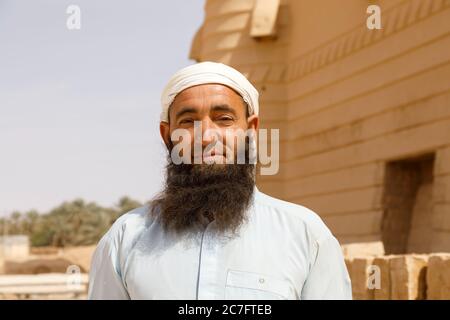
(243, 285)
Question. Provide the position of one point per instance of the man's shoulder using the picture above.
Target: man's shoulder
(131, 223)
(295, 213)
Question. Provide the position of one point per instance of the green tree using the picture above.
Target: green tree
(70, 224)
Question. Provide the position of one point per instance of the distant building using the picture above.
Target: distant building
(364, 115)
(14, 247)
(2, 262)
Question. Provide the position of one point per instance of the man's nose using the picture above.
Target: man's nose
(210, 133)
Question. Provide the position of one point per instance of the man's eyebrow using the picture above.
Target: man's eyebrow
(185, 110)
(223, 107)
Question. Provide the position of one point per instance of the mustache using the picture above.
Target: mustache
(243, 155)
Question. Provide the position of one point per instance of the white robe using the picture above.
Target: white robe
(284, 251)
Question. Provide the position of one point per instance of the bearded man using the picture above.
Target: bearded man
(211, 234)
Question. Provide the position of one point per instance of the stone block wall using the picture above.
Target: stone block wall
(400, 277)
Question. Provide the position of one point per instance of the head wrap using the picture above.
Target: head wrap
(208, 73)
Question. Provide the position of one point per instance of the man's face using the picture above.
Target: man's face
(197, 192)
(219, 110)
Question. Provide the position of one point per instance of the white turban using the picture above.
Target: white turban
(208, 73)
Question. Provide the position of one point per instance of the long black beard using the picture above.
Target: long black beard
(196, 194)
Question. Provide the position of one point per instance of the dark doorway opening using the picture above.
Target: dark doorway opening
(407, 205)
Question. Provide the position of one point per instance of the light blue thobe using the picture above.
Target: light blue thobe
(283, 251)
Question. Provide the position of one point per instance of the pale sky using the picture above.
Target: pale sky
(79, 110)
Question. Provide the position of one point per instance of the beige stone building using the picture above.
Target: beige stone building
(364, 115)
(14, 247)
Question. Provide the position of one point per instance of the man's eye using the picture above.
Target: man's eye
(225, 119)
(185, 121)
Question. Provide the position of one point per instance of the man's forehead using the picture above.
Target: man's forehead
(212, 97)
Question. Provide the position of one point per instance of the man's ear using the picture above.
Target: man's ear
(164, 130)
(253, 122)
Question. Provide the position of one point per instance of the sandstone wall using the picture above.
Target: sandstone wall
(348, 101)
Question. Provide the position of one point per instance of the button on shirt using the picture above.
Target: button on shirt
(282, 251)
